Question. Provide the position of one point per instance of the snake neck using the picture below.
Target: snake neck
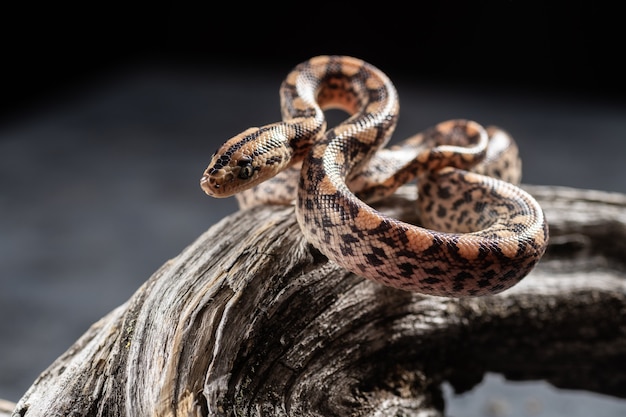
(354, 86)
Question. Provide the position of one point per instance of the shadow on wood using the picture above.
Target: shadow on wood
(251, 320)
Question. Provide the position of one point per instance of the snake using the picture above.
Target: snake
(479, 233)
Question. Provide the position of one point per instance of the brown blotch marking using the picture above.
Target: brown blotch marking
(476, 179)
(420, 239)
(351, 66)
(292, 77)
(448, 155)
(345, 130)
(468, 247)
(469, 156)
(321, 61)
(423, 157)
(509, 248)
(300, 104)
(326, 187)
(375, 83)
(446, 126)
(367, 219)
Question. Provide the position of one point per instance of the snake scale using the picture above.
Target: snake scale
(478, 234)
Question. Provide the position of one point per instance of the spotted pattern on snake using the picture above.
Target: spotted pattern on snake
(478, 234)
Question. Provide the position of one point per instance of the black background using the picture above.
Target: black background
(572, 47)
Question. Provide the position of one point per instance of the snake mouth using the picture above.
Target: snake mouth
(217, 186)
(210, 185)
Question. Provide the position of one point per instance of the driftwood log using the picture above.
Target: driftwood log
(251, 320)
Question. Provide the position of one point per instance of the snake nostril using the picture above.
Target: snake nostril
(209, 184)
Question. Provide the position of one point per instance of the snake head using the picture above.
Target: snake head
(246, 160)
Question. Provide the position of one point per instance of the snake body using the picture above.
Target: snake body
(478, 234)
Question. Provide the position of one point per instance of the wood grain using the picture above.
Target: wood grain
(251, 320)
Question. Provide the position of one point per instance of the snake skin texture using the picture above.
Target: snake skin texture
(480, 233)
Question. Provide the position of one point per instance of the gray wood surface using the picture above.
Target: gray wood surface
(251, 320)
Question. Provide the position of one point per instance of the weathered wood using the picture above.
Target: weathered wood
(251, 320)
(6, 408)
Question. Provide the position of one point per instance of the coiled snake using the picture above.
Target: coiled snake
(479, 235)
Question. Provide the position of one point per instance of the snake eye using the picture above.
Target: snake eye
(246, 171)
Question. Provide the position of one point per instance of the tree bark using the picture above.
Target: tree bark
(251, 320)
(6, 408)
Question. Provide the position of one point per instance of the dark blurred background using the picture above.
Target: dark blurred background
(572, 47)
(111, 112)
